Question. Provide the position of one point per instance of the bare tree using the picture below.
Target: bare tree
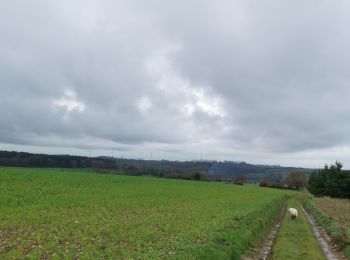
(240, 180)
(296, 180)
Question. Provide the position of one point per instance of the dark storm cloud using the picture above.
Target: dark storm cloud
(242, 80)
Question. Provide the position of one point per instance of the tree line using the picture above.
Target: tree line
(294, 180)
(331, 181)
(108, 165)
(203, 170)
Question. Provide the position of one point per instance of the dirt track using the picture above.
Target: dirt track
(328, 248)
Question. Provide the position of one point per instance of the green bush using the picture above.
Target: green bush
(331, 181)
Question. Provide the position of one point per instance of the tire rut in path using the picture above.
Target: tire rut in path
(264, 252)
(323, 238)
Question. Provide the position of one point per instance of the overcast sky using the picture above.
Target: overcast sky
(258, 81)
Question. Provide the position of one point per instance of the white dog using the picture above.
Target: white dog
(293, 213)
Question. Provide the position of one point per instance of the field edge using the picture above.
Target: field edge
(339, 234)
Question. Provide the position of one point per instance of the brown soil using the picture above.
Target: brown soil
(338, 209)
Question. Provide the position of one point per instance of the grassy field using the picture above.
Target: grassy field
(53, 214)
(295, 239)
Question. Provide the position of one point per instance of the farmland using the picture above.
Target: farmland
(49, 213)
(333, 215)
(338, 209)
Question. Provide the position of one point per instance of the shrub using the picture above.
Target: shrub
(240, 180)
(331, 181)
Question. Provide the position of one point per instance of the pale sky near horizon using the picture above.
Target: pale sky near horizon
(264, 82)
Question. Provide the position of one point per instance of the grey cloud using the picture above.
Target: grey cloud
(241, 80)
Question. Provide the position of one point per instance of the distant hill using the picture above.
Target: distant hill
(226, 170)
(254, 173)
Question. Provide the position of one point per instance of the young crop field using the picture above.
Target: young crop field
(54, 214)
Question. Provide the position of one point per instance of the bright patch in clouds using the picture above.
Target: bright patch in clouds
(171, 85)
(210, 105)
(144, 104)
(69, 102)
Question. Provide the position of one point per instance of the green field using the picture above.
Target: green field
(49, 213)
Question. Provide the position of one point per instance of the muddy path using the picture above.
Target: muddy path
(329, 249)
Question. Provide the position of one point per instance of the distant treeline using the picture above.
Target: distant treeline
(269, 175)
(21, 159)
(197, 170)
